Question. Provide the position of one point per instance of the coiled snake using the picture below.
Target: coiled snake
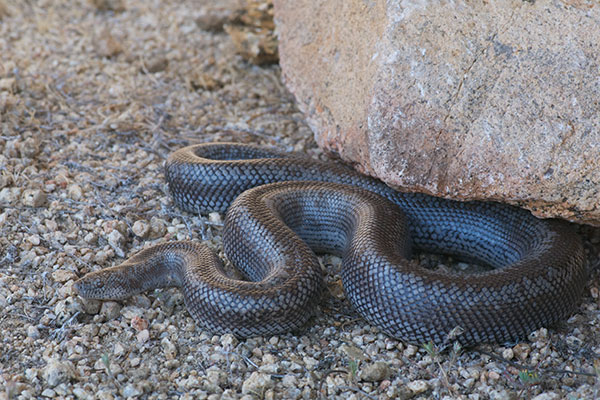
(538, 266)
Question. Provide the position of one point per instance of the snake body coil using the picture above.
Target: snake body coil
(538, 266)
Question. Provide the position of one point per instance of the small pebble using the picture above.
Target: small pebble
(521, 350)
(116, 241)
(353, 352)
(51, 225)
(33, 332)
(540, 335)
(8, 84)
(269, 359)
(115, 225)
(29, 148)
(384, 385)
(34, 240)
(292, 393)
(375, 372)
(107, 45)
(493, 375)
(91, 238)
(118, 349)
(139, 324)
(271, 368)
(229, 340)
(358, 340)
(104, 394)
(310, 362)
(56, 372)
(546, 396)
(418, 386)
(81, 393)
(10, 149)
(116, 238)
(75, 192)
(5, 180)
(296, 368)
(131, 312)
(257, 383)
(169, 349)
(63, 276)
(158, 228)
(141, 229)
(10, 195)
(156, 63)
(31, 373)
(108, 5)
(130, 391)
(212, 21)
(143, 336)
(216, 376)
(215, 218)
(110, 310)
(33, 198)
(410, 351)
(508, 354)
(289, 381)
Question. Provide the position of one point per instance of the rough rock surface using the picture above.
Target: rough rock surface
(469, 100)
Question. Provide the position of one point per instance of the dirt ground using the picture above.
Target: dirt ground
(93, 97)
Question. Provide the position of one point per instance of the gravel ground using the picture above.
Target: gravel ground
(93, 96)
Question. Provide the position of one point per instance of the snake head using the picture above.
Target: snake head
(95, 286)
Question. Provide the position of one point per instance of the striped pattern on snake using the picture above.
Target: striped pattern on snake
(282, 208)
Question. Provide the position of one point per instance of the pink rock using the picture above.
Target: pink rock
(468, 100)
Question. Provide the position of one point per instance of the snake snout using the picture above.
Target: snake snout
(93, 286)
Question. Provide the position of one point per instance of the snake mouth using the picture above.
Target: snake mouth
(91, 287)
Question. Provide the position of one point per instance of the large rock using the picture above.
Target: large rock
(469, 100)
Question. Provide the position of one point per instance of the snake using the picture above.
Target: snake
(282, 209)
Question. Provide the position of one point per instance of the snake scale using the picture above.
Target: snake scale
(282, 208)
